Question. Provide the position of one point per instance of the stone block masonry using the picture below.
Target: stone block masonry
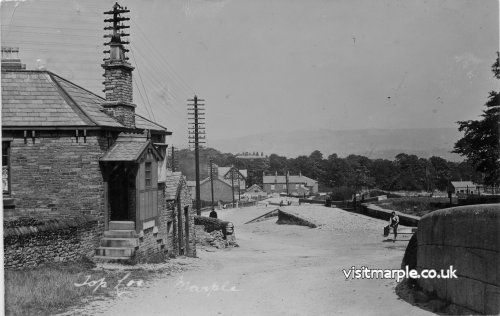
(467, 238)
(118, 83)
(54, 176)
(57, 175)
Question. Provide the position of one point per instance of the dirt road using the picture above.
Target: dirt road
(279, 270)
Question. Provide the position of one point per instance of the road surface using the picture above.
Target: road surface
(278, 270)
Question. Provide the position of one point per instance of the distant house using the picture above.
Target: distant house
(298, 185)
(465, 187)
(233, 175)
(223, 191)
(255, 192)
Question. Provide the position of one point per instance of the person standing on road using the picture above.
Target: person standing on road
(394, 222)
(213, 213)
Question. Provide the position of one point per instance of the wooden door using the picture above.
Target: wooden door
(147, 184)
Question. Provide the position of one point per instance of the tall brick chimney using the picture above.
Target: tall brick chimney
(118, 71)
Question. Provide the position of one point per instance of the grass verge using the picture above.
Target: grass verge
(53, 288)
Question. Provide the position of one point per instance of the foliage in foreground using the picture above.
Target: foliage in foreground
(480, 143)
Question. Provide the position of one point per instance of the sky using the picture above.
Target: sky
(274, 65)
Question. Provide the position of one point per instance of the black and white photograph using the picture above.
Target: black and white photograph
(235, 157)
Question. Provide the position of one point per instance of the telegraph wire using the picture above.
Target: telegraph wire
(190, 89)
(142, 83)
(142, 98)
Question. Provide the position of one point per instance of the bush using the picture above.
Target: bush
(342, 193)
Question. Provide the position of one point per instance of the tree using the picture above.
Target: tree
(480, 141)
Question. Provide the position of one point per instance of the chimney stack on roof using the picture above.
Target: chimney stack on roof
(117, 70)
(10, 58)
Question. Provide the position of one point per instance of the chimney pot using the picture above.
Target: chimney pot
(10, 58)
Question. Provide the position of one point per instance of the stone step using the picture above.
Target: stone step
(121, 225)
(120, 234)
(114, 252)
(108, 258)
(119, 242)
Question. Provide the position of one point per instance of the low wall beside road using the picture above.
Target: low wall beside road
(381, 213)
(467, 238)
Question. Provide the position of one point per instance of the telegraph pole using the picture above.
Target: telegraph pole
(239, 187)
(173, 159)
(286, 178)
(212, 181)
(195, 129)
(232, 184)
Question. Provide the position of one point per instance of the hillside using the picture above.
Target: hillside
(373, 143)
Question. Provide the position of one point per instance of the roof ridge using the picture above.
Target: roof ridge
(70, 82)
(69, 100)
(150, 121)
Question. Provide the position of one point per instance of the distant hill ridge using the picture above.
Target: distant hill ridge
(373, 143)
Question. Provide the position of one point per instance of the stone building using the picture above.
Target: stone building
(255, 192)
(228, 182)
(74, 161)
(180, 224)
(233, 175)
(297, 185)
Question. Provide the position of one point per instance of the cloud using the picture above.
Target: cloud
(468, 60)
(469, 63)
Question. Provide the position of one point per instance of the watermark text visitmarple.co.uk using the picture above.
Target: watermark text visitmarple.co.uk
(398, 274)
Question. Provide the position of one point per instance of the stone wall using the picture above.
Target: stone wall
(186, 200)
(150, 248)
(210, 224)
(287, 218)
(467, 238)
(172, 241)
(29, 242)
(381, 213)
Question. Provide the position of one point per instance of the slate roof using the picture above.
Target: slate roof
(207, 179)
(127, 148)
(172, 185)
(40, 98)
(253, 189)
(463, 184)
(224, 170)
(291, 179)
